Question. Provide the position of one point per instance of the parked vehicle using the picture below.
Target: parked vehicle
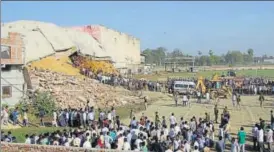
(184, 87)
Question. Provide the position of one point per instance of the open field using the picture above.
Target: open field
(248, 115)
(161, 76)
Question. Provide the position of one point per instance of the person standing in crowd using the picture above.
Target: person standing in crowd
(207, 97)
(216, 113)
(25, 118)
(271, 119)
(131, 114)
(184, 99)
(261, 99)
(15, 115)
(254, 135)
(145, 102)
(260, 138)
(172, 119)
(234, 99)
(175, 96)
(220, 145)
(41, 115)
(188, 100)
(269, 138)
(199, 97)
(238, 101)
(242, 138)
(54, 121)
(234, 145)
(5, 115)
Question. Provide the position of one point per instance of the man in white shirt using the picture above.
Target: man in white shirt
(199, 100)
(54, 122)
(187, 147)
(269, 138)
(184, 100)
(120, 142)
(5, 116)
(90, 117)
(177, 129)
(234, 98)
(76, 141)
(260, 138)
(28, 140)
(126, 145)
(254, 135)
(172, 119)
(84, 118)
(207, 97)
(169, 149)
(137, 143)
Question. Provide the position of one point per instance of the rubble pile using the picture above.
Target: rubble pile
(71, 91)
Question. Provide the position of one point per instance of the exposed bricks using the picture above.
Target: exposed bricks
(15, 41)
(18, 147)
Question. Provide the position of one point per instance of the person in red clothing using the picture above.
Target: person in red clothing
(100, 143)
(105, 122)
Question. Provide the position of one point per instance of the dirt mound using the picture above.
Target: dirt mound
(56, 64)
(75, 91)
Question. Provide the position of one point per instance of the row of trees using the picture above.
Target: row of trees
(157, 56)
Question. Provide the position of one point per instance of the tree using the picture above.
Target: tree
(155, 56)
(40, 100)
(210, 52)
(211, 57)
(234, 57)
(200, 53)
(250, 53)
(149, 56)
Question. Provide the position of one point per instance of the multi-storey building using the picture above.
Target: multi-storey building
(12, 60)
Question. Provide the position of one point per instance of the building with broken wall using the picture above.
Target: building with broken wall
(124, 49)
(39, 39)
(12, 60)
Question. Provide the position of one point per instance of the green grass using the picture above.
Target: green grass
(21, 132)
(122, 112)
(208, 74)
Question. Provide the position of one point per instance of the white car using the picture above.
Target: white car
(184, 87)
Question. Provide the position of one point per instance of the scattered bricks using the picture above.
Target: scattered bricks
(74, 92)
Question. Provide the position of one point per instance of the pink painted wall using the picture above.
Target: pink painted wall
(94, 31)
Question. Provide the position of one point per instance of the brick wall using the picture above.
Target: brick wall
(16, 147)
(16, 44)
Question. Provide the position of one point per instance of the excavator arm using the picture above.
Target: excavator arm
(200, 85)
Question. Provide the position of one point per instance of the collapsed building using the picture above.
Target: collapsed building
(47, 46)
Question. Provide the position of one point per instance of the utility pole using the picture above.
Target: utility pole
(0, 97)
(193, 60)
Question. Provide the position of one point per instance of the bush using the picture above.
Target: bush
(41, 100)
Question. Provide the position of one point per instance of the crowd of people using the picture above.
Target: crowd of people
(88, 128)
(163, 134)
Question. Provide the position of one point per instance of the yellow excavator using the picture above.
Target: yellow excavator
(201, 85)
(217, 91)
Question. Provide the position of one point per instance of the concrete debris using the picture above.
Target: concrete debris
(71, 91)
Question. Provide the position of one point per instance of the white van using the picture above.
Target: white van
(184, 87)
